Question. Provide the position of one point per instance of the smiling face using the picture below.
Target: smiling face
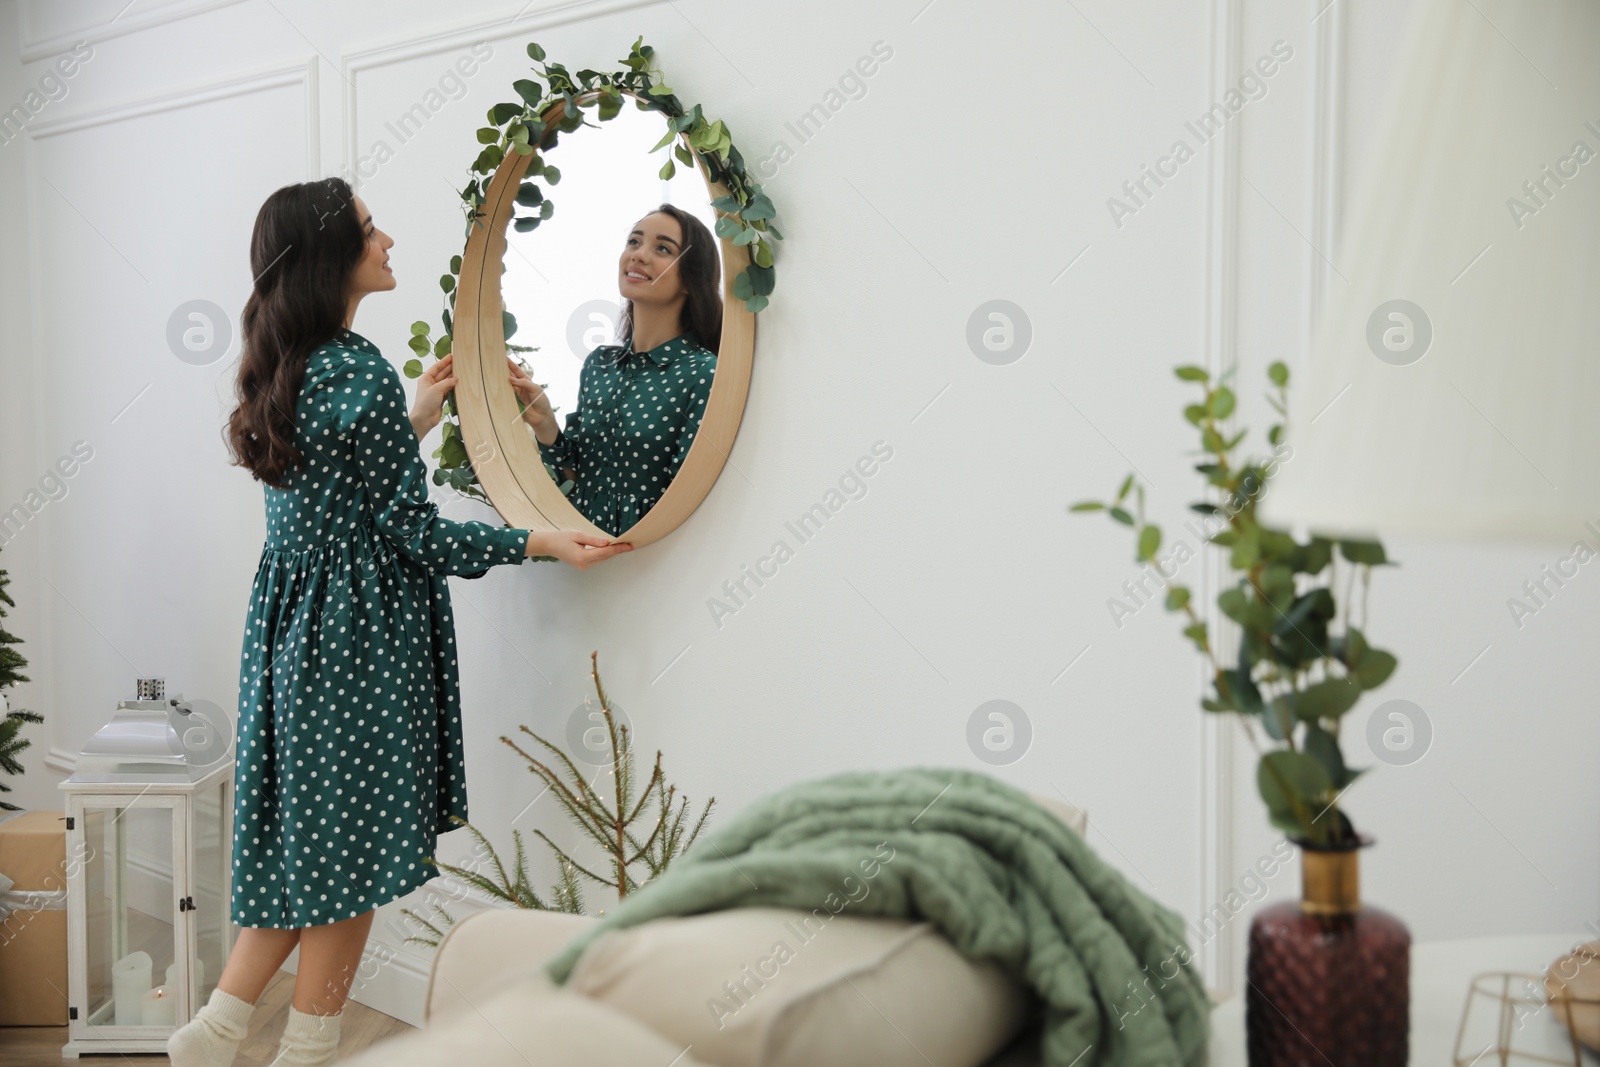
(372, 273)
(647, 272)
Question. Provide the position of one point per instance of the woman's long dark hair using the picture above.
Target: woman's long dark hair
(701, 272)
(305, 246)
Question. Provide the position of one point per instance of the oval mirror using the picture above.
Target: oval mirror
(633, 437)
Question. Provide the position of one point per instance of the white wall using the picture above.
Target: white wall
(977, 166)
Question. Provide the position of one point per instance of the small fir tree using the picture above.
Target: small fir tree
(11, 663)
(639, 833)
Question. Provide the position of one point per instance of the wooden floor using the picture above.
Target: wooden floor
(40, 1046)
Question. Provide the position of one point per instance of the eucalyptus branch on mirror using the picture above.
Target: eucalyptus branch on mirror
(639, 831)
(745, 213)
(1301, 666)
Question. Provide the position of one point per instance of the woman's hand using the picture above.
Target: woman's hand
(538, 414)
(434, 385)
(580, 550)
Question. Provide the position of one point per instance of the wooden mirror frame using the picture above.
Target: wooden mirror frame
(505, 455)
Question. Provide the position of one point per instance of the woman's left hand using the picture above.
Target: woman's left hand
(432, 388)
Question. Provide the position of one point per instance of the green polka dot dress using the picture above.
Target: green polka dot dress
(636, 417)
(350, 753)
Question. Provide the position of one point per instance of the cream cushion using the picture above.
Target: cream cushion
(779, 987)
(526, 1023)
(491, 963)
(1076, 818)
(500, 944)
(490, 948)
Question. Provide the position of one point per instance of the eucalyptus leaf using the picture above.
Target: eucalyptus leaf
(1292, 784)
(1149, 541)
(1278, 718)
(1328, 699)
(1321, 746)
(761, 279)
(530, 91)
(1369, 552)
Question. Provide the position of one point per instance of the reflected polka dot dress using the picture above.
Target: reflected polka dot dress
(349, 758)
(637, 415)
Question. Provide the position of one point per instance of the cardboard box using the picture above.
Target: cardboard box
(33, 943)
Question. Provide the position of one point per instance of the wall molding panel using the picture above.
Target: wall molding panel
(41, 47)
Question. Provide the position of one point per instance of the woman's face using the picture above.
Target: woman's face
(372, 273)
(647, 273)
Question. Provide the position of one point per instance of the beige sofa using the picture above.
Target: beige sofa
(741, 988)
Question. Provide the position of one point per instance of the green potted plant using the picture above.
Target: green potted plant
(1301, 666)
(11, 664)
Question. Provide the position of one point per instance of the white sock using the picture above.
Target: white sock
(212, 1037)
(309, 1040)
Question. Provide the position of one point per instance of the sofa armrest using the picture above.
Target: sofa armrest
(491, 949)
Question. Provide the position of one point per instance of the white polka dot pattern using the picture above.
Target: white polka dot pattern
(636, 417)
(350, 752)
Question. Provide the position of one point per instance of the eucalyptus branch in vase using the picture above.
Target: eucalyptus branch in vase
(1300, 666)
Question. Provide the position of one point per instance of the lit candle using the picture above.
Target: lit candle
(130, 981)
(160, 1008)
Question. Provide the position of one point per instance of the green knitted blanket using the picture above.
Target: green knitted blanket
(999, 876)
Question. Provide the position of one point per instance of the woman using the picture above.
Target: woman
(349, 758)
(640, 402)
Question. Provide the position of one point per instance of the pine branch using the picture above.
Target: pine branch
(573, 864)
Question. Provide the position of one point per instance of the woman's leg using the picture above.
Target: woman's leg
(212, 1037)
(257, 954)
(329, 956)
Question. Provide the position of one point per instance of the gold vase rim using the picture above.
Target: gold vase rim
(1359, 841)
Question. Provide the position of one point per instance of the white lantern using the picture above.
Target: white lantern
(149, 868)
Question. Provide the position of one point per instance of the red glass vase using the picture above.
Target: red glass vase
(1329, 978)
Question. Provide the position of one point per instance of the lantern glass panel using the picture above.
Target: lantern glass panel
(213, 857)
(129, 908)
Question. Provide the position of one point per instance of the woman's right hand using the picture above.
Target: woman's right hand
(580, 550)
(538, 413)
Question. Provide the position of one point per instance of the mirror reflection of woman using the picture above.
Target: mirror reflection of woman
(640, 402)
